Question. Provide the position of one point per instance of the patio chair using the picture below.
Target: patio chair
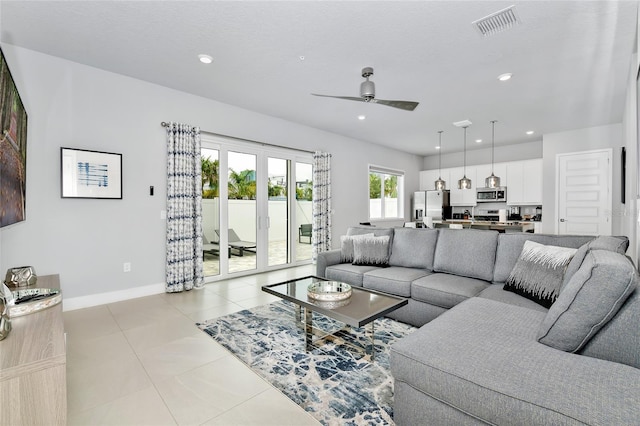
(210, 248)
(236, 243)
(304, 232)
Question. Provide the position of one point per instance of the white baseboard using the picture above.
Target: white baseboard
(111, 297)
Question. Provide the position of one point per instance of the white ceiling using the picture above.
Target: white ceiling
(570, 60)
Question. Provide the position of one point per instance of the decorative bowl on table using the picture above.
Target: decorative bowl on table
(329, 291)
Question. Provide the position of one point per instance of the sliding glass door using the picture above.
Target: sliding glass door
(256, 207)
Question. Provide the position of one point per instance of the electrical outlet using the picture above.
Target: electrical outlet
(126, 267)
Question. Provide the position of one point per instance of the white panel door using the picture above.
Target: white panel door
(584, 196)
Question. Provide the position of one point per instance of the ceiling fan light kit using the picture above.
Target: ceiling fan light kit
(368, 94)
(465, 182)
(440, 184)
(492, 181)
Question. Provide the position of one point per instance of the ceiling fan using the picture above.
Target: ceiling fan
(368, 94)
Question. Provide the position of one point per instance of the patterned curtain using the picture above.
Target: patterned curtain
(184, 209)
(321, 235)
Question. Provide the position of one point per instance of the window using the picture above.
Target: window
(386, 189)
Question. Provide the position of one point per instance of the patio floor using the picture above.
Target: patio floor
(277, 256)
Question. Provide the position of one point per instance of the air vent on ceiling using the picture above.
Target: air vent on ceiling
(496, 22)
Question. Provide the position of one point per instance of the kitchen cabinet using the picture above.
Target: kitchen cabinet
(462, 197)
(524, 182)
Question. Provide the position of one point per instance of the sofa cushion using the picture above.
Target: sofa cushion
(615, 244)
(619, 339)
(413, 247)
(446, 290)
(347, 273)
(538, 272)
(510, 247)
(482, 358)
(371, 251)
(592, 297)
(496, 292)
(467, 252)
(346, 246)
(393, 280)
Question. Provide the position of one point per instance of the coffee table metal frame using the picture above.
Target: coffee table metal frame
(364, 308)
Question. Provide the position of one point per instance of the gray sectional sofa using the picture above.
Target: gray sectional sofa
(483, 355)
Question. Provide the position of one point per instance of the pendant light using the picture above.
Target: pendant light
(440, 184)
(492, 181)
(465, 182)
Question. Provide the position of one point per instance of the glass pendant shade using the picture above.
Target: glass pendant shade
(440, 184)
(492, 181)
(465, 182)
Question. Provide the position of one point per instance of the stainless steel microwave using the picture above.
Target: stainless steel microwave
(491, 195)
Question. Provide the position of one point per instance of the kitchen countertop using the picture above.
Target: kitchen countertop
(522, 225)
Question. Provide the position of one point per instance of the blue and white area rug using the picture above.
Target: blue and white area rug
(333, 382)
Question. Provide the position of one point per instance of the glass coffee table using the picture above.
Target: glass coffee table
(361, 309)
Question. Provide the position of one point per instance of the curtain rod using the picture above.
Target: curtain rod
(165, 124)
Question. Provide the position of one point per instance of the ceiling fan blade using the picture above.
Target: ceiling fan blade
(349, 98)
(405, 105)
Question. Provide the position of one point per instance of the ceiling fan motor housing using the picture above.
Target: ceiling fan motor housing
(368, 90)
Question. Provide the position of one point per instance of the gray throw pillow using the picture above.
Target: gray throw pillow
(592, 297)
(617, 244)
(539, 271)
(346, 246)
(373, 251)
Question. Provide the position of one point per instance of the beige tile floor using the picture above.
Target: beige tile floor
(144, 362)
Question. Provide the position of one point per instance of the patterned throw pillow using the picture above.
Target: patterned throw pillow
(539, 272)
(372, 251)
(346, 246)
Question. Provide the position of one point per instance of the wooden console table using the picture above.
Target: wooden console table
(33, 362)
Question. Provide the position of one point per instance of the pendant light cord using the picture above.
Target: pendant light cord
(465, 152)
(440, 154)
(493, 138)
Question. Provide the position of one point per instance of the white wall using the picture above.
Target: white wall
(87, 241)
(610, 136)
(503, 153)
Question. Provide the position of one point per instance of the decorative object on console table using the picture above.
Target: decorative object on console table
(21, 276)
(5, 320)
(492, 181)
(90, 174)
(440, 184)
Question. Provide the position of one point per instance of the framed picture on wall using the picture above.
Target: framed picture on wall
(90, 174)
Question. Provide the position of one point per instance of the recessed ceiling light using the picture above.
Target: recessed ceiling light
(478, 140)
(205, 59)
(362, 117)
(505, 76)
(530, 132)
(301, 57)
(438, 147)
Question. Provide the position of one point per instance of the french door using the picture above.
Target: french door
(255, 201)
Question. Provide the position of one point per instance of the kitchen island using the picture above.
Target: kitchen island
(509, 226)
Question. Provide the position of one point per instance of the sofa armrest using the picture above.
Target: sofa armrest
(326, 258)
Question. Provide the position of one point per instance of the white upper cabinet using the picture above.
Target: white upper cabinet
(524, 182)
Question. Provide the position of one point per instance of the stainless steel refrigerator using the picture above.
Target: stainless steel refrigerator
(433, 204)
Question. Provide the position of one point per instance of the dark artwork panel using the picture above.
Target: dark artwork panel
(13, 149)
